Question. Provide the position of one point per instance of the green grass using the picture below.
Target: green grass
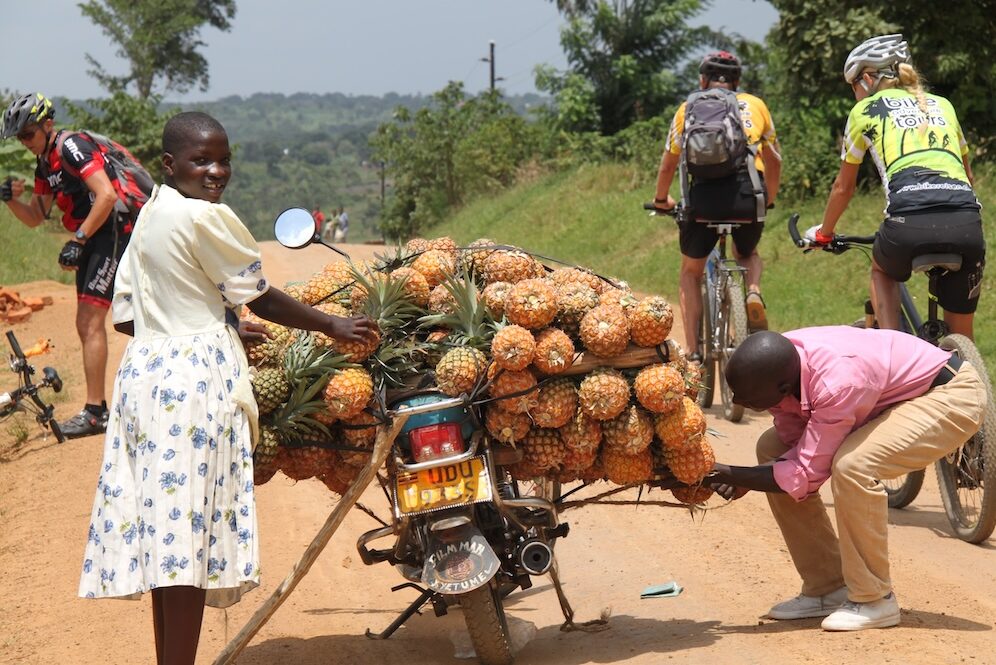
(593, 217)
(30, 254)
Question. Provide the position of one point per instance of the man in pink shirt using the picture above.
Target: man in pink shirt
(853, 406)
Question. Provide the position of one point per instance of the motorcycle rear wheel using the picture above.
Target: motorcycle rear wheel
(485, 618)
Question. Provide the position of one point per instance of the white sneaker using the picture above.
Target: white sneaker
(880, 613)
(808, 607)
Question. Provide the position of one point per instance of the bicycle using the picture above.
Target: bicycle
(967, 477)
(25, 399)
(724, 313)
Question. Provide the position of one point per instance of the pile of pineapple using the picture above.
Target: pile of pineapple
(493, 322)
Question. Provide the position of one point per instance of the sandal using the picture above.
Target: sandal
(757, 316)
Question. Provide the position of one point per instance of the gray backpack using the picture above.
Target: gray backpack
(714, 144)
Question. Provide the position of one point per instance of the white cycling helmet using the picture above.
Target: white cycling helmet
(883, 54)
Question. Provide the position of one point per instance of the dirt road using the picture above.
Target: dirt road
(731, 562)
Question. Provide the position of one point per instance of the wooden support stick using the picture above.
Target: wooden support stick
(382, 446)
(633, 356)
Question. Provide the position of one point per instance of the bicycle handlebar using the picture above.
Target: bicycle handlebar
(839, 244)
(673, 212)
(14, 346)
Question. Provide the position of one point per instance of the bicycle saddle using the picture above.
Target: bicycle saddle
(949, 262)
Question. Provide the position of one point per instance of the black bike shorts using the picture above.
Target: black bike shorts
(99, 264)
(697, 239)
(900, 239)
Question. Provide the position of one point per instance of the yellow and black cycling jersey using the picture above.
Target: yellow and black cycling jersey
(758, 127)
(919, 155)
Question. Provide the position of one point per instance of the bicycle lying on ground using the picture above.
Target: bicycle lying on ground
(967, 477)
(25, 399)
(724, 314)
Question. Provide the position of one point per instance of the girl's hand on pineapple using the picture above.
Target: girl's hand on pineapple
(354, 329)
(250, 331)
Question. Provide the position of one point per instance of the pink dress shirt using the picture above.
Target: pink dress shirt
(849, 376)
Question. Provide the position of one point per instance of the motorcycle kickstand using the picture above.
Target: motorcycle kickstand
(593, 626)
(424, 597)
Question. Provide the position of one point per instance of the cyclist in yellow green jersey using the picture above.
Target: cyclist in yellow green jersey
(922, 157)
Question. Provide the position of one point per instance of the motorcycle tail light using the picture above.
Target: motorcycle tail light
(435, 441)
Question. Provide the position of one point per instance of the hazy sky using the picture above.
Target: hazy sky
(369, 47)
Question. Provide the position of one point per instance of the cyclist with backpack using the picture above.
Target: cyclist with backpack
(100, 189)
(922, 157)
(724, 145)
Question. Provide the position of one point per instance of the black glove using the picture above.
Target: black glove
(6, 189)
(70, 255)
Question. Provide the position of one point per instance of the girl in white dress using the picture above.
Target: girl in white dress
(174, 512)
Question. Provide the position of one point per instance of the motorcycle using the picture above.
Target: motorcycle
(464, 531)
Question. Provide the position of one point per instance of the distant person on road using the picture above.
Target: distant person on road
(740, 196)
(854, 407)
(319, 218)
(174, 510)
(343, 229)
(922, 157)
(85, 175)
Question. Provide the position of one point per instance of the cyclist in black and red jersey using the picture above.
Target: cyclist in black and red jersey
(99, 206)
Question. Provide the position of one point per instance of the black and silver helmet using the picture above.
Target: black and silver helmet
(883, 54)
(35, 108)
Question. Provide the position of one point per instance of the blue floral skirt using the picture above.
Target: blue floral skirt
(174, 503)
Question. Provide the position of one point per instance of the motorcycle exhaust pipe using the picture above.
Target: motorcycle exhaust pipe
(535, 556)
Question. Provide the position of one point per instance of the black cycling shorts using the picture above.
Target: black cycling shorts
(697, 239)
(99, 264)
(900, 239)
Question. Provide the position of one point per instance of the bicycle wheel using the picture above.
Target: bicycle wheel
(904, 489)
(705, 343)
(967, 477)
(735, 332)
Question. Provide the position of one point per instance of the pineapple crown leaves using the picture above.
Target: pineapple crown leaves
(306, 360)
(387, 302)
(471, 323)
(400, 258)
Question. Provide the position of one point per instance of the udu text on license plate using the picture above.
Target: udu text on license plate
(443, 487)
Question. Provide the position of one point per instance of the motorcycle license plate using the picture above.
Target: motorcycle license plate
(443, 487)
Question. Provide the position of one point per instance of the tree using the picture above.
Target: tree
(624, 59)
(160, 39)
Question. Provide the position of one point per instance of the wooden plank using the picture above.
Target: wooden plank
(633, 356)
(382, 446)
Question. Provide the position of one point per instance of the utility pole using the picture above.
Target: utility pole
(383, 168)
(491, 60)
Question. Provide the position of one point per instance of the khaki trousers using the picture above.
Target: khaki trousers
(908, 436)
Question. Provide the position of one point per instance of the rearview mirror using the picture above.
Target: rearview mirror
(294, 228)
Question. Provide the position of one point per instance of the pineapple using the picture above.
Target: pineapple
(268, 351)
(556, 404)
(441, 300)
(621, 297)
(416, 246)
(506, 427)
(459, 369)
(531, 303)
(593, 473)
(676, 428)
(543, 449)
(675, 355)
(513, 347)
(526, 470)
(333, 476)
(582, 433)
(435, 265)
(359, 431)
(266, 449)
(443, 244)
(415, 285)
(605, 331)
(473, 257)
(295, 290)
(691, 462)
(494, 295)
(623, 469)
(650, 321)
(348, 391)
(512, 383)
(630, 432)
(303, 462)
(574, 300)
(577, 460)
(692, 495)
(554, 351)
(510, 266)
(562, 276)
(332, 309)
(659, 388)
(271, 388)
(604, 394)
(262, 472)
(333, 283)
(693, 380)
